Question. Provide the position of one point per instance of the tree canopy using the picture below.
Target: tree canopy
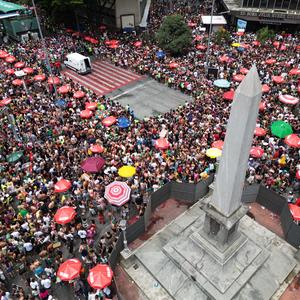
(174, 35)
(264, 33)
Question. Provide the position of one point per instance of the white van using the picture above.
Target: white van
(79, 63)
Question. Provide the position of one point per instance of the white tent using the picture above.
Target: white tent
(216, 20)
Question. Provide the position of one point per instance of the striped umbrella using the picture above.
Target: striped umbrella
(117, 193)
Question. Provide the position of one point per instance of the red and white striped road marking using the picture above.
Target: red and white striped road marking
(104, 78)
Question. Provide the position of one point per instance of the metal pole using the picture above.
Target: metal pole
(44, 46)
(209, 37)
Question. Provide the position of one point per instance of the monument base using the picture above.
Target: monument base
(180, 263)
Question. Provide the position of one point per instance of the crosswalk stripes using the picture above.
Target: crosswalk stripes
(104, 78)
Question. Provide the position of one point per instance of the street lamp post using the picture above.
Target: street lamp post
(44, 46)
(123, 224)
(209, 37)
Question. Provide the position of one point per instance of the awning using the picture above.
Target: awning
(216, 20)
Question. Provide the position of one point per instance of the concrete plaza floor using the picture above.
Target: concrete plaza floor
(149, 98)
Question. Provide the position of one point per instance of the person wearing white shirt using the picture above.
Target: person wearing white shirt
(28, 246)
(46, 282)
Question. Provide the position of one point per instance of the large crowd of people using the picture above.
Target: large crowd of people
(54, 140)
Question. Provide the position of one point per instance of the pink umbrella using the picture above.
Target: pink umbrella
(5, 101)
(218, 144)
(278, 79)
(244, 71)
(270, 61)
(3, 54)
(53, 80)
(137, 44)
(62, 186)
(91, 105)
(93, 164)
(69, 270)
(198, 38)
(294, 72)
(173, 65)
(117, 193)
(79, 94)
(162, 144)
(295, 211)
(201, 47)
(262, 106)
(192, 24)
(9, 71)
(10, 59)
(224, 58)
(283, 47)
(238, 77)
(298, 174)
(64, 89)
(256, 152)
(100, 276)
(109, 121)
(64, 215)
(19, 65)
(113, 46)
(40, 77)
(276, 44)
(288, 99)
(256, 43)
(96, 148)
(260, 131)
(228, 95)
(28, 70)
(292, 140)
(265, 88)
(17, 82)
(86, 114)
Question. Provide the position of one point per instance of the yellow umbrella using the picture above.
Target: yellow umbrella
(127, 171)
(213, 152)
(235, 44)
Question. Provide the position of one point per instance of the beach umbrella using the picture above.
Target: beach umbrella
(64, 215)
(229, 95)
(222, 83)
(298, 174)
(62, 186)
(162, 144)
(238, 77)
(288, 99)
(10, 59)
(5, 101)
(201, 47)
(15, 156)
(91, 105)
(3, 54)
(79, 94)
(276, 44)
(281, 129)
(19, 65)
(292, 140)
(53, 80)
(86, 114)
(94, 41)
(127, 171)
(260, 131)
(69, 270)
(224, 58)
(96, 148)
(294, 72)
(218, 144)
(213, 152)
(244, 71)
(113, 46)
(117, 193)
(137, 44)
(23, 212)
(123, 122)
(236, 45)
(108, 121)
(100, 276)
(64, 89)
(271, 61)
(160, 54)
(9, 71)
(173, 65)
(28, 70)
(87, 38)
(265, 88)
(93, 164)
(40, 77)
(256, 43)
(61, 103)
(17, 82)
(262, 106)
(256, 152)
(198, 38)
(278, 79)
(295, 211)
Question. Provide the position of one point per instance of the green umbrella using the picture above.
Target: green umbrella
(23, 212)
(281, 129)
(15, 156)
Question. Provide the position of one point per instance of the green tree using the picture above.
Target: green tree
(221, 36)
(264, 34)
(174, 35)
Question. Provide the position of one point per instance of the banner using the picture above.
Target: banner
(241, 24)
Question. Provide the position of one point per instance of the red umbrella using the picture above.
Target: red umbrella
(87, 38)
(244, 71)
(40, 77)
(3, 54)
(5, 101)
(239, 33)
(262, 106)
(256, 43)
(260, 131)
(173, 65)
(109, 121)
(117, 193)
(64, 89)
(265, 88)
(198, 38)
(162, 144)
(288, 99)
(91, 105)
(93, 164)
(64, 215)
(294, 72)
(53, 80)
(86, 114)
(94, 41)
(276, 44)
(245, 46)
(298, 174)
(69, 270)
(201, 47)
(283, 47)
(292, 140)
(137, 44)
(10, 59)
(218, 144)
(295, 211)
(192, 24)
(278, 79)
(9, 71)
(19, 65)
(270, 61)
(100, 276)
(96, 148)
(79, 94)
(238, 77)
(62, 186)
(228, 95)
(256, 152)
(28, 70)
(224, 58)
(17, 82)
(113, 46)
